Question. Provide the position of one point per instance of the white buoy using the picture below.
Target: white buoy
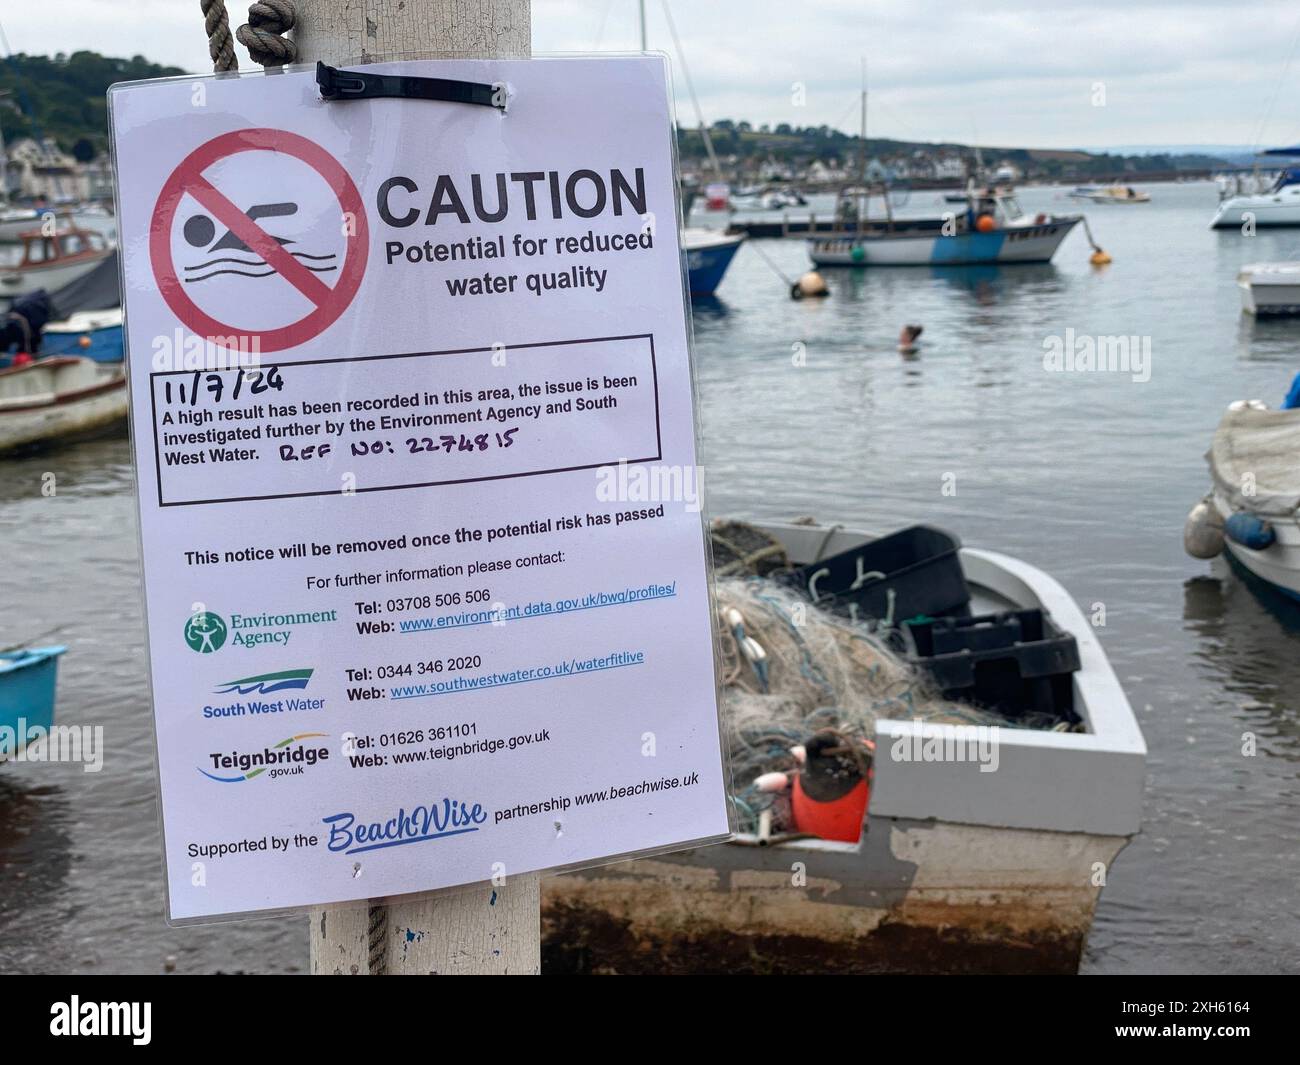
(1203, 533)
(810, 284)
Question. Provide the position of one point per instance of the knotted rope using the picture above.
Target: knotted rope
(262, 34)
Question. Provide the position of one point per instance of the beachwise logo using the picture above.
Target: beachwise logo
(131, 1020)
(205, 632)
(291, 757)
(266, 683)
(420, 824)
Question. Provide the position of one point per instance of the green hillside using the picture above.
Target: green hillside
(62, 96)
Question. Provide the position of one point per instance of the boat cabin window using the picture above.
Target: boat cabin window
(41, 250)
(72, 244)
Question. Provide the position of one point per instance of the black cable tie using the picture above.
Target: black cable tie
(336, 84)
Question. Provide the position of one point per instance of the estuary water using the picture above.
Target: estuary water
(807, 408)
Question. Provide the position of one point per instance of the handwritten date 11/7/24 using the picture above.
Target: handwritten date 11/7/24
(413, 445)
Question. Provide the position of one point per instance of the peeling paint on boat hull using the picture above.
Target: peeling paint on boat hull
(918, 897)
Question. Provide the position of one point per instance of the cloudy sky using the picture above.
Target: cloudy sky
(1052, 73)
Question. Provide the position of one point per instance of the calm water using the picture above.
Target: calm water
(1087, 476)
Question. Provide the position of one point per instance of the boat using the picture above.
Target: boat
(52, 261)
(1278, 205)
(14, 221)
(1110, 194)
(1270, 288)
(95, 335)
(28, 678)
(955, 871)
(717, 196)
(768, 199)
(60, 398)
(1249, 514)
(993, 229)
(708, 254)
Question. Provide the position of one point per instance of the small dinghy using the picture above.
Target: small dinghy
(1117, 194)
(58, 399)
(959, 867)
(1270, 288)
(27, 683)
(1250, 512)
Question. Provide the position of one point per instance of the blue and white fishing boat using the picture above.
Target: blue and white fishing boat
(992, 229)
(708, 254)
(27, 683)
(94, 335)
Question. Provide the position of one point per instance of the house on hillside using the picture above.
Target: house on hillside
(40, 170)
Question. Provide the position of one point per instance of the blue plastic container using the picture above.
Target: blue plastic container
(27, 683)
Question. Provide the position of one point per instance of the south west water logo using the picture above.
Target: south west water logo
(205, 632)
(266, 683)
(290, 757)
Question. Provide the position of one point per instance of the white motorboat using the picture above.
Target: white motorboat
(957, 869)
(1270, 288)
(57, 399)
(992, 229)
(50, 261)
(1279, 205)
(1252, 512)
(1120, 194)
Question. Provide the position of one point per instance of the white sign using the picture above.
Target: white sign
(424, 561)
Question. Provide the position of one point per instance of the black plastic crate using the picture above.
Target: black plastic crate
(1015, 662)
(918, 567)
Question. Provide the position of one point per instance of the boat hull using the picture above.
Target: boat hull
(1022, 244)
(27, 685)
(1277, 565)
(957, 870)
(48, 276)
(919, 897)
(57, 400)
(707, 261)
(93, 335)
(1263, 211)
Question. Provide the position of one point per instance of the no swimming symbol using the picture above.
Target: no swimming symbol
(246, 236)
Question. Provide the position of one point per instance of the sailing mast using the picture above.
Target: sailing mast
(690, 86)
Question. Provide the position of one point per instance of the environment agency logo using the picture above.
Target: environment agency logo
(205, 632)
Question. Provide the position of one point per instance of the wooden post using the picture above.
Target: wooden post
(488, 929)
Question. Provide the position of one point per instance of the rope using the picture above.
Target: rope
(378, 939)
(262, 34)
(220, 47)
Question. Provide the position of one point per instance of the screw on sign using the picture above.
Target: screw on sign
(245, 234)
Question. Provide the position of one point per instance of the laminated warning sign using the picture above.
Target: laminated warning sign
(425, 575)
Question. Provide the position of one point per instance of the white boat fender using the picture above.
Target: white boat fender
(1249, 530)
(1203, 532)
(771, 782)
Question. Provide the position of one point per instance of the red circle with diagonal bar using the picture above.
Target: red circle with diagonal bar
(187, 179)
